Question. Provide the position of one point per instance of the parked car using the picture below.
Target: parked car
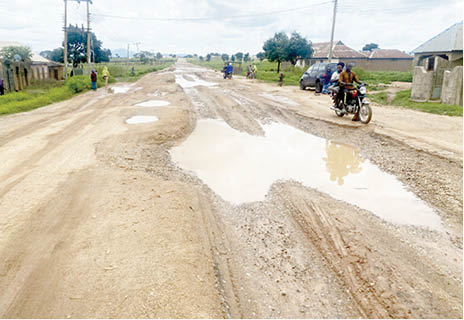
(312, 76)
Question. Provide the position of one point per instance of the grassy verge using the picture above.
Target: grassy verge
(267, 71)
(402, 99)
(40, 94)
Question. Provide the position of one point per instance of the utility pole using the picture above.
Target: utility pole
(65, 50)
(128, 53)
(88, 37)
(333, 31)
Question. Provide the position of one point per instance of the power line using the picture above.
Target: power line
(215, 18)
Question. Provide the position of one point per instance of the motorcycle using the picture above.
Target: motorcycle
(356, 102)
(227, 75)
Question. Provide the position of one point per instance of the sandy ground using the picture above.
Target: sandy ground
(98, 222)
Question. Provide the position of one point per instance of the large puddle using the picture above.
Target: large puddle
(240, 168)
(121, 89)
(141, 119)
(153, 103)
(185, 83)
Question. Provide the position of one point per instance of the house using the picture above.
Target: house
(16, 74)
(379, 59)
(340, 53)
(387, 60)
(438, 67)
(43, 69)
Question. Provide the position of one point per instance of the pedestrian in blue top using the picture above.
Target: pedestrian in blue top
(325, 78)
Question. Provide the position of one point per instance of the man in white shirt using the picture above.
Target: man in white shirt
(334, 81)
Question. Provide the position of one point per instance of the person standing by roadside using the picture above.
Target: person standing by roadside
(281, 79)
(93, 79)
(248, 71)
(255, 71)
(2, 87)
(106, 76)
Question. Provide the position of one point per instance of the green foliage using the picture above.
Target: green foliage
(280, 48)
(208, 57)
(239, 56)
(225, 57)
(246, 57)
(298, 48)
(260, 56)
(7, 54)
(370, 47)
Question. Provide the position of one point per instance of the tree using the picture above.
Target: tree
(275, 48)
(144, 56)
(77, 48)
(239, 56)
(15, 53)
(201, 58)
(159, 55)
(225, 57)
(232, 57)
(208, 57)
(298, 48)
(246, 57)
(370, 47)
(260, 56)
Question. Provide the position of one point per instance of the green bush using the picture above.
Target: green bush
(78, 83)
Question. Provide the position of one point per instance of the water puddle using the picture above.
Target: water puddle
(279, 99)
(240, 168)
(123, 89)
(184, 83)
(141, 119)
(153, 103)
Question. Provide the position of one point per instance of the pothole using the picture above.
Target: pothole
(241, 168)
(141, 119)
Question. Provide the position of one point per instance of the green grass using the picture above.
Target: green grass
(373, 78)
(40, 94)
(267, 71)
(402, 99)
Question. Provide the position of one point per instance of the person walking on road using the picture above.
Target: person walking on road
(93, 78)
(106, 76)
(255, 71)
(281, 79)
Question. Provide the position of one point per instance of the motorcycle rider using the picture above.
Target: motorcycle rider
(346, 83)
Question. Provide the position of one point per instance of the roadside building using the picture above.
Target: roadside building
(340, 53)
(44, 69)
(16, 74)
(380, 59)
(438, 67)
(387, 60)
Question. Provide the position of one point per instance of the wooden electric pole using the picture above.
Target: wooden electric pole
(88, 37)
(65, 50)
(333, 31)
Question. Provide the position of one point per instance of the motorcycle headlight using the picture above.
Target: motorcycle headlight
(362, 90)
(366, 101)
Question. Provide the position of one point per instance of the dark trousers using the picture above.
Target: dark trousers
(2, 90)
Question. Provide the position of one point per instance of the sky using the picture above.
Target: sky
(202, 26)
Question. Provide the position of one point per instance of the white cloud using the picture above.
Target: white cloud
(392, 24)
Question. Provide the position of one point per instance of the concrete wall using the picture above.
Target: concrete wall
(422, 84)
(452, 86)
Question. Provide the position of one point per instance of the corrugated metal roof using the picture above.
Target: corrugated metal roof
(447, 41)
(389, 54)
(340, 51)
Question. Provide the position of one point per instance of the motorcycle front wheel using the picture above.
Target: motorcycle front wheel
(338, 110)
(365, 114)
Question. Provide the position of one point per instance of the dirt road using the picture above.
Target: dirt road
(103, 218)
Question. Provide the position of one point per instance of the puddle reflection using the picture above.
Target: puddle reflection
(341, 160)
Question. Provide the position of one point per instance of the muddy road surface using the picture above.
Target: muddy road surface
(186, 195)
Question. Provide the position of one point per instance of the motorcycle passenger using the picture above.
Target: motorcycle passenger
(335, 88)
(346, 83)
